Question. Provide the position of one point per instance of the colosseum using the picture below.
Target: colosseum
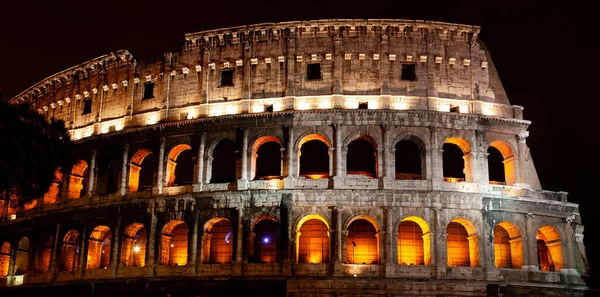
(337, 157)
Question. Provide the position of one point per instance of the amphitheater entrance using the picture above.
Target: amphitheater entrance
(174, 245)
(134, 243)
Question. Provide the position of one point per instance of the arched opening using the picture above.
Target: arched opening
(414, 242)
(462, 243)
(268, 161)
(549, 247)
(266, 235)
(4, 259)
(314, 158)
(141, 173)
(313, 240)
(174, 244)
(99, 248)
(508, 246)
(43, 255)
(224, 162)
(361, 159)
(219, 240)
(78, 180)
(54, 191)
(409, 165)
(133, 251)
(496, 166)
(453, 163)
(501, 164)
(180, 166)
(69, 252)
(362, 243)
(22, 257)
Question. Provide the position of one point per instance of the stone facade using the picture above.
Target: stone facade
(196, 182)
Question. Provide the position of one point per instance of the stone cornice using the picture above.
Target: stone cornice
(91, 67)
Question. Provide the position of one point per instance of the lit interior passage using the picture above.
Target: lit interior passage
(53, 192)
(4, 259)
(362, 243)
(22, 257)
(174, 244)
(314, 157)
(361, 159)
(508, 246)
(266, 238)
(133, 250)
(42, 255)
(549, 247)
(78, 180)
(223, 167)
(140, 170)
(409, 164)
(414, 242)
(501, 164)
(69, 252)
(312, 241)
(180, 166)
(99, 248)
(220, 241)
(462, 243)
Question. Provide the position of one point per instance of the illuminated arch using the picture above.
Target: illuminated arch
(549, 246)
(53, 192)
(174, 244)
(257, 163)
(414, 241)
(312, 239)
(462, 243)
(172, 162)
(508, 246)
(467, 161)
(69, 254)
(134, 245)
(4, 258)
(362, 241)
(22, 257)
(368, 168)
(78, 180)
(218, 241)
(508, 160)
(403, 153)
(263, 241)
(42, 254)
(99, 247)
(135, 168)
(317, 159)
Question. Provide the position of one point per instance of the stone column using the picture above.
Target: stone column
(54, 261)
(124, 169)
(152, 237)
(530, 254)
(193, 250)
(243, 181)
(338, 175)
(387, 159)
(83, 253)
(92, 173)
(200, 164)
(114, 249)
(291, 170)
(522, 151)
(240, 236)
(161, 165)
(389, 238)
(481, 174)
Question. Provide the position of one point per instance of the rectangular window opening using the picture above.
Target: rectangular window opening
(87, 106)
(226, 78)
(313, 71)
(408, 72)
(148, 90)
(363, 105)
(454, 109)
(269, 108)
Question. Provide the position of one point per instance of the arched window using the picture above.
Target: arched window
(133, 251)
(549, 246)
(361, 159)
(362, 243)
(501, 163)
(508, 246)
(54, 191)
(313, 242)
(462, 243)
(223, 167)
(496, 166)
(268, 161)
(22, 257)
(69, 254)
(414, 242)
(43, 255)
(4, 259)
(141, 173)
(220, 242)
(99, 248)
(78, 180)
(409, 165)
(174, 244)
(314, 159)
(266, 235)
(180, 166)
(453, 163)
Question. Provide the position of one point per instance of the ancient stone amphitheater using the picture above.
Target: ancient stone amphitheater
(316, 158)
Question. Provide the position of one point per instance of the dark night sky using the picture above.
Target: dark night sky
(542, 52)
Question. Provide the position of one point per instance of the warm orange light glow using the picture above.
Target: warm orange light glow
(454, 179)
(462, 243)
(78, 180)
(69, 254)
(172, 162)
(22, 257)
(316, 176)
(133, 251)
(4, 259)
(135, 168)
(42, 256)
(362, 243)
(508, 246)
(221, 241)
(313, 242)
(174, 245)
(99, 248)
(549, 249)
(52, 194)
(410, 244)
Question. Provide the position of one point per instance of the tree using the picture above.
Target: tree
(31, 150)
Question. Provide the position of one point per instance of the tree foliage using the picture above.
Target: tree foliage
(31, 150)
